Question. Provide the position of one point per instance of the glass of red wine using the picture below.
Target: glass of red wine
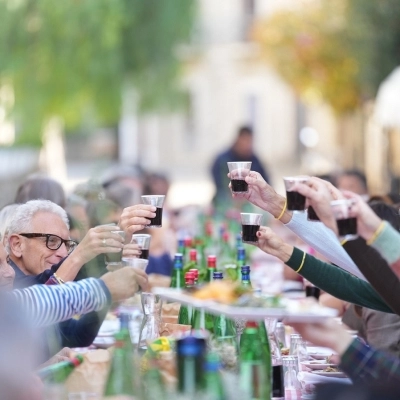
(157, 201)
(250, 226)
(347, 225)
(238, 171)
(296, 202)
(143, 240)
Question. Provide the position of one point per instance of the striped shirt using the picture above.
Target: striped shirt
(48, 305)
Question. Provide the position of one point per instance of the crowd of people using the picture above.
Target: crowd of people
(52, 267)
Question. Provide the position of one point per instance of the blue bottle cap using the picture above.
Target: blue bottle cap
(241, 253)
(191, 346)
(218, 275)
(124, 319)
(245, 270)
(178, 260)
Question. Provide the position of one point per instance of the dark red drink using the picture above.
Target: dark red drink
(144, 254)
(347, 226)
(295, 201)
(278, 386)
(157, 220)
(239, 185)
(249, 233)
(311, 214)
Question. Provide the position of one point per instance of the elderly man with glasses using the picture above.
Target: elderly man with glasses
(38, 242)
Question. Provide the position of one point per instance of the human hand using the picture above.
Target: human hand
(62, 355)
(367, 221)
(136, 218)
(328, 333)
(98, 240)
(262, 195)
(271, 243)
(125, 282)
(131, 250)
(319, 194)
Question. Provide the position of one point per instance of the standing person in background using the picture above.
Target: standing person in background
(354, 181)
(241, 150)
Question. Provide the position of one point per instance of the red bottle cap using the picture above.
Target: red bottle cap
(212, 262)
(195, 272)
(193, 255)
(225, 236)
(251, 324)
(188, 242)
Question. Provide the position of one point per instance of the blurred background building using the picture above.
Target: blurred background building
(285, 67)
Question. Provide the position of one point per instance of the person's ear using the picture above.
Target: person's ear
(15, 242)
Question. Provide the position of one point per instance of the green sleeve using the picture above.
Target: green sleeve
(337, 282)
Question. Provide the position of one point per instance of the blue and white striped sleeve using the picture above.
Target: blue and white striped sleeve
(50, 304)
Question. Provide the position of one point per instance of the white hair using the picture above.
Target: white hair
(23, 215)
(6, 215)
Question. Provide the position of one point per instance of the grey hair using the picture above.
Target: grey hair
(23, 215)
(6, 215)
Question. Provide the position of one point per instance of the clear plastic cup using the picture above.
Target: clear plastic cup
(157, 201)
(238, 171)
(347, 225)
(250, 226)
(295, 201)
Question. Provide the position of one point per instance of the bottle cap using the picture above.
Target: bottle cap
(188, 242)
(195, 272)
(225, 236)
(189, 274)
(193, 255)
(245, 270)
(181, 242)
(212, 261)
(77, 360)
(218, 275)
(190, 346)
(124, 319)
(212, 363)
(251, 324)
(241, 253)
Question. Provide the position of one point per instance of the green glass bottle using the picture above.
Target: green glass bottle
(177, 281)
(252, 367)
(213, 382)
(186, 312)
(120, 379)
(266, 348)
(226, 262)
(153, 385)
(58, 373)
(202, 321)
(211, 267)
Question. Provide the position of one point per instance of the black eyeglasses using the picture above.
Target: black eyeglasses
(53, 242)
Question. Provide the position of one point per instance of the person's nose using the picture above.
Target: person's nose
(62, 251)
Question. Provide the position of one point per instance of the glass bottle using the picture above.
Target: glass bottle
(120, 377)
(240, 259)
(153, 385)
(186, 312)
(202, 321)
(226, 262)
(213, 382)
(177, 281)
(246, 283)
(252, 364)
(150, 327)
(195, 273)
(190, 354)
(58, 373)
(211, 266)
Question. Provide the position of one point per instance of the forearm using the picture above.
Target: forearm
(48, 305)
(324, 241)
(71, 266)
(387, 243)
(366, 365)
(337, 282)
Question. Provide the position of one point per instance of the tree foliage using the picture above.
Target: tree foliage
(336, 51)
(71, 58)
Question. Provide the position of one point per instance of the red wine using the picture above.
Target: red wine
(249, 233)
(347, 226)
(311, 214)
(313, 291)
(239, 185)
(144, 254)
(278, 386)
(295, 201)
(157, 220)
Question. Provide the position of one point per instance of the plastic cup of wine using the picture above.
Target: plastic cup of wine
(295, 201)
(158, 202)
(347, 225)
(250, 226)
(238, 171)
(143, 240)
(114, 260)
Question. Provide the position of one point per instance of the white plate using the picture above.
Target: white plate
(254, 313)
(331, 374)
(103, 342)
(317, 364)
(109, 327)
(319, 353)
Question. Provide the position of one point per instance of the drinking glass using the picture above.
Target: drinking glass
(250, 226)
(114, 260)
(143, 240)
(238, 171)
(295, 201)
(140, 263)
(290, 371)
(347, 225)
(157, 201)
(298, 348)
(150, 327)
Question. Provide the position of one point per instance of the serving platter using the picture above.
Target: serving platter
(290, 312)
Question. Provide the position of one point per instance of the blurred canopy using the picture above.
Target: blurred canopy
(72, 58)
(338, 51)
